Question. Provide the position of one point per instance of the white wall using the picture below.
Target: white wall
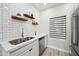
(0, 22)
(13, 28)
(59, 10)
(0, 26)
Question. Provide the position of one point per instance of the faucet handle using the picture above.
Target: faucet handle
(22, 32)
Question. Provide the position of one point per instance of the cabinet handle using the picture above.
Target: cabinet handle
(30, 49)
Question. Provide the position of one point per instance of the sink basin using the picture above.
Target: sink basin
(20, 40)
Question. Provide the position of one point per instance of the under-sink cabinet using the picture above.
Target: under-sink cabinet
(28, 46)
(31, 49)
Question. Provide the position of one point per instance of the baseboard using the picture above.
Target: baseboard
(49, 46)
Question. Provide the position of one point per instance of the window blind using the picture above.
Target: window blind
(57, 27)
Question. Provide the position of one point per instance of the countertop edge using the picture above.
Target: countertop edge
(19, 45)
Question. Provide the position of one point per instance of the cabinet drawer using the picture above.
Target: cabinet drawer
(25, 53)
(23, 49)
(30, 52)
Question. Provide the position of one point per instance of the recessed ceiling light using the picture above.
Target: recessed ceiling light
(6, 7)
(44, 4)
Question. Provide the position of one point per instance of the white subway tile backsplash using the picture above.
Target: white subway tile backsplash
(13, 28)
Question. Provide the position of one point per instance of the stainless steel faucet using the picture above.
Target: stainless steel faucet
(22, 32)
(35, 32)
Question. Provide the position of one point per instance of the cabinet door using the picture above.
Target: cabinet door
(26, 53)
(32, 51)
(35, 50)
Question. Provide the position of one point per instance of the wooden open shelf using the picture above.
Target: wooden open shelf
(28, 16)
(19, 18)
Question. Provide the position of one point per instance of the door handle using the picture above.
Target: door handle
(30, 49)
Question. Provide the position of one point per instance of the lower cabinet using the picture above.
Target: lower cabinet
(31, 49)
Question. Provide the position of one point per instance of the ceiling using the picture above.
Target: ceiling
(41, 6)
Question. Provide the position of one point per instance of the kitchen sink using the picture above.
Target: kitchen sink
(20, 40)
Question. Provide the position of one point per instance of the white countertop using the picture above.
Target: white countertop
(8, 47)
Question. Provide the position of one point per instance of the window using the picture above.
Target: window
(57, 27)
